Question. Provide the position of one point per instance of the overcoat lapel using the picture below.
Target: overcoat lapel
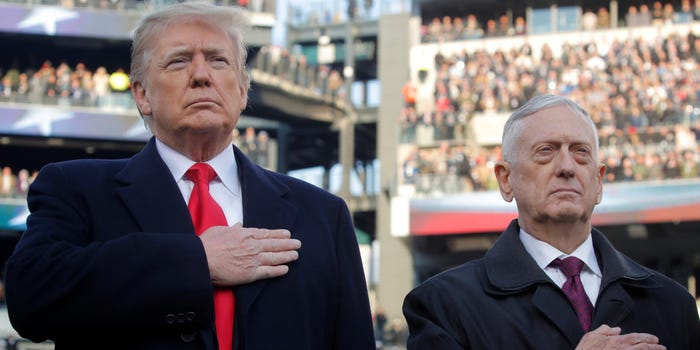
(558, 310)
(264, 206)
(151, 194)
(614, 303)
(612, 307)
(512, 271)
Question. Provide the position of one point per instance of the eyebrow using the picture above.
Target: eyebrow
(187, 51)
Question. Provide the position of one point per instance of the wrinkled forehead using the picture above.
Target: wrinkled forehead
(557, 120)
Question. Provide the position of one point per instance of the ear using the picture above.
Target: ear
(502, 171)
(244, 98)
(141, 98)
(601, 176)
(244, 95)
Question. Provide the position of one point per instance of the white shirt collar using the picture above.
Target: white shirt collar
(544, 253)
(223, 163)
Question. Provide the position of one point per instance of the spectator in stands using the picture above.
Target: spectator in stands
(632, 18)
(491, 29)
(335, 83)
(52, 88)
(409, 92)
(689, 165)
(23, 85)
(589, 20)
(603, 18)
(22, 186)
(248, 144)
(669, 15)
(110, 258)
(518, 295)
(504, 26)
(7, 182)
(447, 30)
(656, 170)
(520, 28)
(100, 85)
(473, 29)
(458, 28)
(657, 13)
(672, 167)
(434, 31)
(7, 90)
(640, 168)
(264, 150)
(685, 13)
(645, 18)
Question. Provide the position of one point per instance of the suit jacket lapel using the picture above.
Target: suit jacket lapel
(151, 194)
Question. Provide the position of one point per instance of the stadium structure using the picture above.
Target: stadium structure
(396, 106)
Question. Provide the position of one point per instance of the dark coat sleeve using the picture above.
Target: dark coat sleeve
(70, 276)
(428, 320)
(354, 327)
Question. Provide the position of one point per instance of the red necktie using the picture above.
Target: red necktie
(206, 213)
(571, 268)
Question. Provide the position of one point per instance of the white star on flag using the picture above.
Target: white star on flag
(46, 17)
(42, 118)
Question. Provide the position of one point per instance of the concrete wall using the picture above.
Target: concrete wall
(395, 265)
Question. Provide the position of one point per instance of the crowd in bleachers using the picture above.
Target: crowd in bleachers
(258, 146)
(141, 5)
(286, 65)
(15, 185)
(65, 85)
(455, 28)
(643, 95)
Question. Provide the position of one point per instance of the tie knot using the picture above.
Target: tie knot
(200, 173)
(570, 266)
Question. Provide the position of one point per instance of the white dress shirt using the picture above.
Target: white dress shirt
(544, 254)
(225, 188)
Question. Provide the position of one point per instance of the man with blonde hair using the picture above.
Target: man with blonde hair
(188, 244)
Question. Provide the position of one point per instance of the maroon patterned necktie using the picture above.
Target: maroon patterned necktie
(571, 268)
(206, 213)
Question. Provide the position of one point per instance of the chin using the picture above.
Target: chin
(567, 214)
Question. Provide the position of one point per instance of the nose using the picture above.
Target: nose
(566, 165)
(200, 75)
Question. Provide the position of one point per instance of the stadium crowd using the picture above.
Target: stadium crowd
(140, 5)
(65, 85)
(642, 93)
(293, 67)
(469, 27)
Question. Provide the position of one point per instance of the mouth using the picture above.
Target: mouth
(202, 102)
(565, 191)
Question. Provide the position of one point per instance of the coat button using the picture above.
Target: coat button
(188, 337)
(180, 318)
(170, 318)
(190, 316)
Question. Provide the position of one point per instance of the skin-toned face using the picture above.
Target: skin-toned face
(193, 89)
(553, 174)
